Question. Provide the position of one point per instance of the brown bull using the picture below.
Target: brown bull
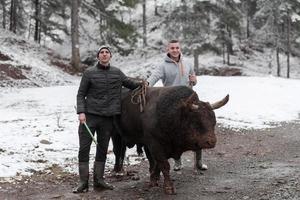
(174, 120)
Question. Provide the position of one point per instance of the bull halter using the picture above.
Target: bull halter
(138, 95)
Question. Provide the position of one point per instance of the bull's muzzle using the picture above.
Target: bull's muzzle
(210, 142)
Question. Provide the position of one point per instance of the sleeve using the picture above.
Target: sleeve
(156, 75)
(81, 94)
(129, 83)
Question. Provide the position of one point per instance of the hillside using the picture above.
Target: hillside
(26, 64)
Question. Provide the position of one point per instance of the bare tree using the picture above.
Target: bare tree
(144, 24)
(3, 3)
(37, 30)
(75, 60)
(288, 45)
(155, 8)
(278, 61)
(196, 62)
(13, 16)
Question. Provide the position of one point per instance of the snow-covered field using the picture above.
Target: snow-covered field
(39, 125)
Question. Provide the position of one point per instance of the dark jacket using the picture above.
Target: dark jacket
(99, 92)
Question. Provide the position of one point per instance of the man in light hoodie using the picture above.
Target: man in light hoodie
(175, 71)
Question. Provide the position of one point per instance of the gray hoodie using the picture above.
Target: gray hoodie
(172, 73)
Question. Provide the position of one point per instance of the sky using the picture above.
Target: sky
(39, 125)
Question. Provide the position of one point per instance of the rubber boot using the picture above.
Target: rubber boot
(177, 165)
(199, 164)
(99, 183)
(83, 185)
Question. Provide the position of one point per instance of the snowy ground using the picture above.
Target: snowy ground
(39, 125)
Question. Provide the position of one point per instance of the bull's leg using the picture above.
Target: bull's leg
(168, 183)
(150, 158)
(153, 169)
(154, 176)
(119, 149)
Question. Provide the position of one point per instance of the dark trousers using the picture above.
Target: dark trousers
(103, 127)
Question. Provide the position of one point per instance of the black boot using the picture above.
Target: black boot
(199, 164)
(83, 185)
(99, 183)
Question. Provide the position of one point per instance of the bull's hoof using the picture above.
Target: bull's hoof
(153, 183)
(170, 190)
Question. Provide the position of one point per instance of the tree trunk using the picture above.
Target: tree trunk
(248, 25)
(3, 2)
(37, 29)
(144, 24)
(155, 8)
(228, 55)
(13, 16)
(229, 45)
(223, 53)
(196, 62)
(278, 61)
(75, 61)
(288, 46)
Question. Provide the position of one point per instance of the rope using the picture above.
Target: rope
(138, 95)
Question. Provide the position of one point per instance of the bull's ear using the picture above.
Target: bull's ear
(220, 103)
(191, 99)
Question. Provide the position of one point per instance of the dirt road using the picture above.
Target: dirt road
(246, 164)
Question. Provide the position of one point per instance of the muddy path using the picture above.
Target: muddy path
(247, 164)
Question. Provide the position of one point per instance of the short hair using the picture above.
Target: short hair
(173, 41)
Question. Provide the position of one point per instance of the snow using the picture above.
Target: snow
(31, 55)
(39, 125)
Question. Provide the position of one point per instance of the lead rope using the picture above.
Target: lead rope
(138, 95)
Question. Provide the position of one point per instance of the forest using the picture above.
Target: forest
(224, 27)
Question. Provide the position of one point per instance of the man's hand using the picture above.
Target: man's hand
(82, 118)
(193, 79)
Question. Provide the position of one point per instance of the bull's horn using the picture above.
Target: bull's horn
(221, 103)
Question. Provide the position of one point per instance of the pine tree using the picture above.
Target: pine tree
(276, 29)
(228, 22)
(113, 31)
(202, 25)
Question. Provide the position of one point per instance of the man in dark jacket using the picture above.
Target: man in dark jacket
(98, 101)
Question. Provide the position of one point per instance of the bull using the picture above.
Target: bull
(174, 120)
